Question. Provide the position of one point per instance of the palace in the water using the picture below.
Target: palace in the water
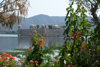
(56, 31)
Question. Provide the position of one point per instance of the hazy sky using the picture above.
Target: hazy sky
(48, 7)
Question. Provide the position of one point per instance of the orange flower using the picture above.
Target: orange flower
(29, 49)
(30, 33)
(36, 64)
(0, 55)
(21, 60)
(77, 36)
(0, 59)
(67, 47)
(80, 35)
(76, 32)
(42, 41)
(89, 49)
(36, 61)
(73, 34)
(3, 53)
(8, 55)
(31, 61)
(7, 61)
(42, 46)
(4, 58)
(11, 57)
(36, 44)
(25, 65)
(15, 61)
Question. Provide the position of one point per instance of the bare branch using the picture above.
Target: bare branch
(91, 2)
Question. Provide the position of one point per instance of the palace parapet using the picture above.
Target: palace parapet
(56, 31)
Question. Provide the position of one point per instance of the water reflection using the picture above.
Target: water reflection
(53, 40)
(25, 42)
(11, 42)
(7, 43)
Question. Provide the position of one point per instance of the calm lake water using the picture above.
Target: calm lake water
(10, 41)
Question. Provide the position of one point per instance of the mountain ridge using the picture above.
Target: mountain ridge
(39, 20)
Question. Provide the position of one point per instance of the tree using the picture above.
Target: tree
(37, 26)
(92, 6)
(11, 11)
(63, 27)
(50, 26)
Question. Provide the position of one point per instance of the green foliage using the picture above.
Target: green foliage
(36, 50)
(8, 32)
(50, 26)
(79, 50)
(37, 26)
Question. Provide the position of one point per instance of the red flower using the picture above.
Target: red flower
(36, 44)
(11, 57)
(0, 59)
(3, 53)
(42, 46)
(75, 50)
(25, 65)
(67, 47)
(29, 49)
(36, 61)
(36, 64)
(81, 51)
(70, 65)
(82, 47)
(72, 38)
(77, 36)
(80, 35)
(31, 61)
(7, 61)
(89, 49)
(42, 41)
(21, 60)
(76, 32)
(8, 55)
(0, 55)
(15, 61)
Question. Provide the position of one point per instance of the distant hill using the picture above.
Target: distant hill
(39, 20)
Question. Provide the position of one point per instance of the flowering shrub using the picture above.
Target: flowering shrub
(7, 60)
(82, 45)
(34, 56)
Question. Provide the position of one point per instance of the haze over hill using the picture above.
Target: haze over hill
(39, 20)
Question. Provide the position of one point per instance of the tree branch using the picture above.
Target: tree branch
(93, 13)
(91, 2)
(84, 4)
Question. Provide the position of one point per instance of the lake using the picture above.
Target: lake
(11, 41)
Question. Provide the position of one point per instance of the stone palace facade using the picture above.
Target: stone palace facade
(56, 31)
